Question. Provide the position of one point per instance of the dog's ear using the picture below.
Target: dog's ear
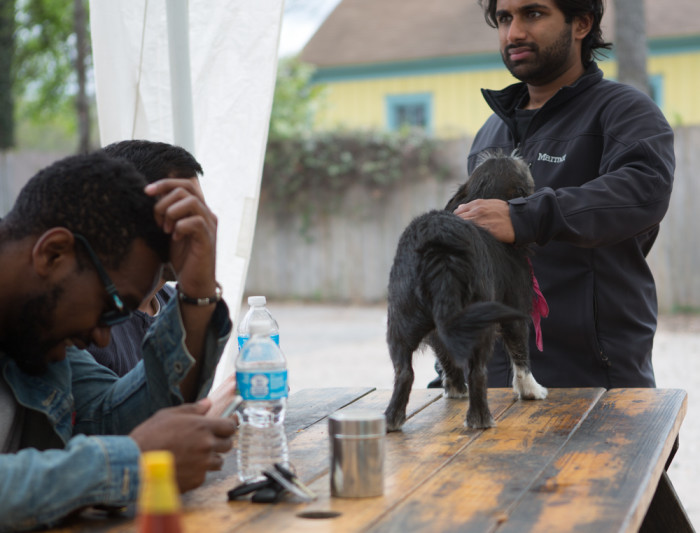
(522, 192)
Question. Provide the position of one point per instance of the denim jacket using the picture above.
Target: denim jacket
(61, 465)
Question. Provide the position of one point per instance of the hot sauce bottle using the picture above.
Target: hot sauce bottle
(159, 500)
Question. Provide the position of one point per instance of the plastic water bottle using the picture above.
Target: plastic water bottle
(261, 376)
(257, 311)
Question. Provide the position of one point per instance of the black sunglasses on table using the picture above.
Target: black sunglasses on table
(120, 313)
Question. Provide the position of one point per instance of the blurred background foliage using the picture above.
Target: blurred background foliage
(309, 171)
(47, 86)
(50, 75)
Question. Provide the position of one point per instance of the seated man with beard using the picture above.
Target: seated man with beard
(81, 249)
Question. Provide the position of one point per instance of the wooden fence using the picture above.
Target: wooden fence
(346, 256)
(675, 258)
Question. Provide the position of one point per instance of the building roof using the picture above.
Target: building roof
(379, 31)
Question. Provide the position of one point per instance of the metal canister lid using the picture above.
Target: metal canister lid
(357, 422)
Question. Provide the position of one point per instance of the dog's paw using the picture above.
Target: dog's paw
(455, 393)
(455, 389)
(527, 387)
(480, 424)
(479, 420)
(394, 421)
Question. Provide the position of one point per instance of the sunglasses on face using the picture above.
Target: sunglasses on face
(119, 312)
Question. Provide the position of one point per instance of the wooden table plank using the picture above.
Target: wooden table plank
(640, 426)
(427, 443)
(206, 508)
(305, 408)
(486, 478)
(308, 452)
(581, 460)
(308, 406)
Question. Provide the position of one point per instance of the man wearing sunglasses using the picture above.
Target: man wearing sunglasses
(81, 249)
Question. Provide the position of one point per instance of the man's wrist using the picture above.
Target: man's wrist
(199, 301)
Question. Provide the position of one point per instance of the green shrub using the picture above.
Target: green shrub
(313, 173)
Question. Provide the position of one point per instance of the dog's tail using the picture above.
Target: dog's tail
(461, 332)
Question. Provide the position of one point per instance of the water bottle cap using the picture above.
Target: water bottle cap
(259, 327)
(256, 301)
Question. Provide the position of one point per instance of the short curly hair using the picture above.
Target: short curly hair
(571, 8)
(156, 160)
(98, 196)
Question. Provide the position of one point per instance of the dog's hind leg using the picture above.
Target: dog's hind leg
(515, 339)
(478, 414)
(403, 380)
(401, 350)
(452, 375)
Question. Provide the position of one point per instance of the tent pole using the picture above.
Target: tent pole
(180, 79)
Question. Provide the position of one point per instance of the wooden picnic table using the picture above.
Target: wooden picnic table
(581, 460)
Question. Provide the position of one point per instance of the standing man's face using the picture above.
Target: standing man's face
(536, 42)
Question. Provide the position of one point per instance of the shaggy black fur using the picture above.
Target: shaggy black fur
(452, 283)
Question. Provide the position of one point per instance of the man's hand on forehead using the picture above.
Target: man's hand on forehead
(178, 199)
(197, 190)
(181, 211)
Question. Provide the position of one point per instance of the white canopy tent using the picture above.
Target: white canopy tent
(199, 74)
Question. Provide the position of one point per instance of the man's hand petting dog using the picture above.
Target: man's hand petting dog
(492, 215)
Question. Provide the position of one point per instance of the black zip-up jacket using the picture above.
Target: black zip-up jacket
(601, 154)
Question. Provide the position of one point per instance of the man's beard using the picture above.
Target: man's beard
(548, 63)
(24, 342)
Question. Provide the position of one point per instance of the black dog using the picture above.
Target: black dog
(452, 283)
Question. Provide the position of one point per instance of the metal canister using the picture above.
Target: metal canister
(357, 453)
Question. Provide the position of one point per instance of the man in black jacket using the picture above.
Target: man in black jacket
(601, 154)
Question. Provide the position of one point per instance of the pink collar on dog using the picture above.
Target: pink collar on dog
(539, 308)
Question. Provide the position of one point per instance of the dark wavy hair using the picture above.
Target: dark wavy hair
(571, 9)
(98, 196)
(156, 160)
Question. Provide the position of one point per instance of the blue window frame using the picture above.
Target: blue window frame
(656, 82)
(413, 110)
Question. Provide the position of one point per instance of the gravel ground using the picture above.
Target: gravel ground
(677, 366)
(337, 346)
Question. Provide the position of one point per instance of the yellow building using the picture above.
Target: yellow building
(391, 62)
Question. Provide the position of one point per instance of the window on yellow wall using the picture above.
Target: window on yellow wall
(409, 110)
(656, 84)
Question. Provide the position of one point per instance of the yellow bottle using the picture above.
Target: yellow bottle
(159, 500)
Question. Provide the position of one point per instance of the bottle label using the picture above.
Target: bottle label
(262, 385)
(242, 339)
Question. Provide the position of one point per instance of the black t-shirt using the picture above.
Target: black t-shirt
(124, 350)
(523, 117)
